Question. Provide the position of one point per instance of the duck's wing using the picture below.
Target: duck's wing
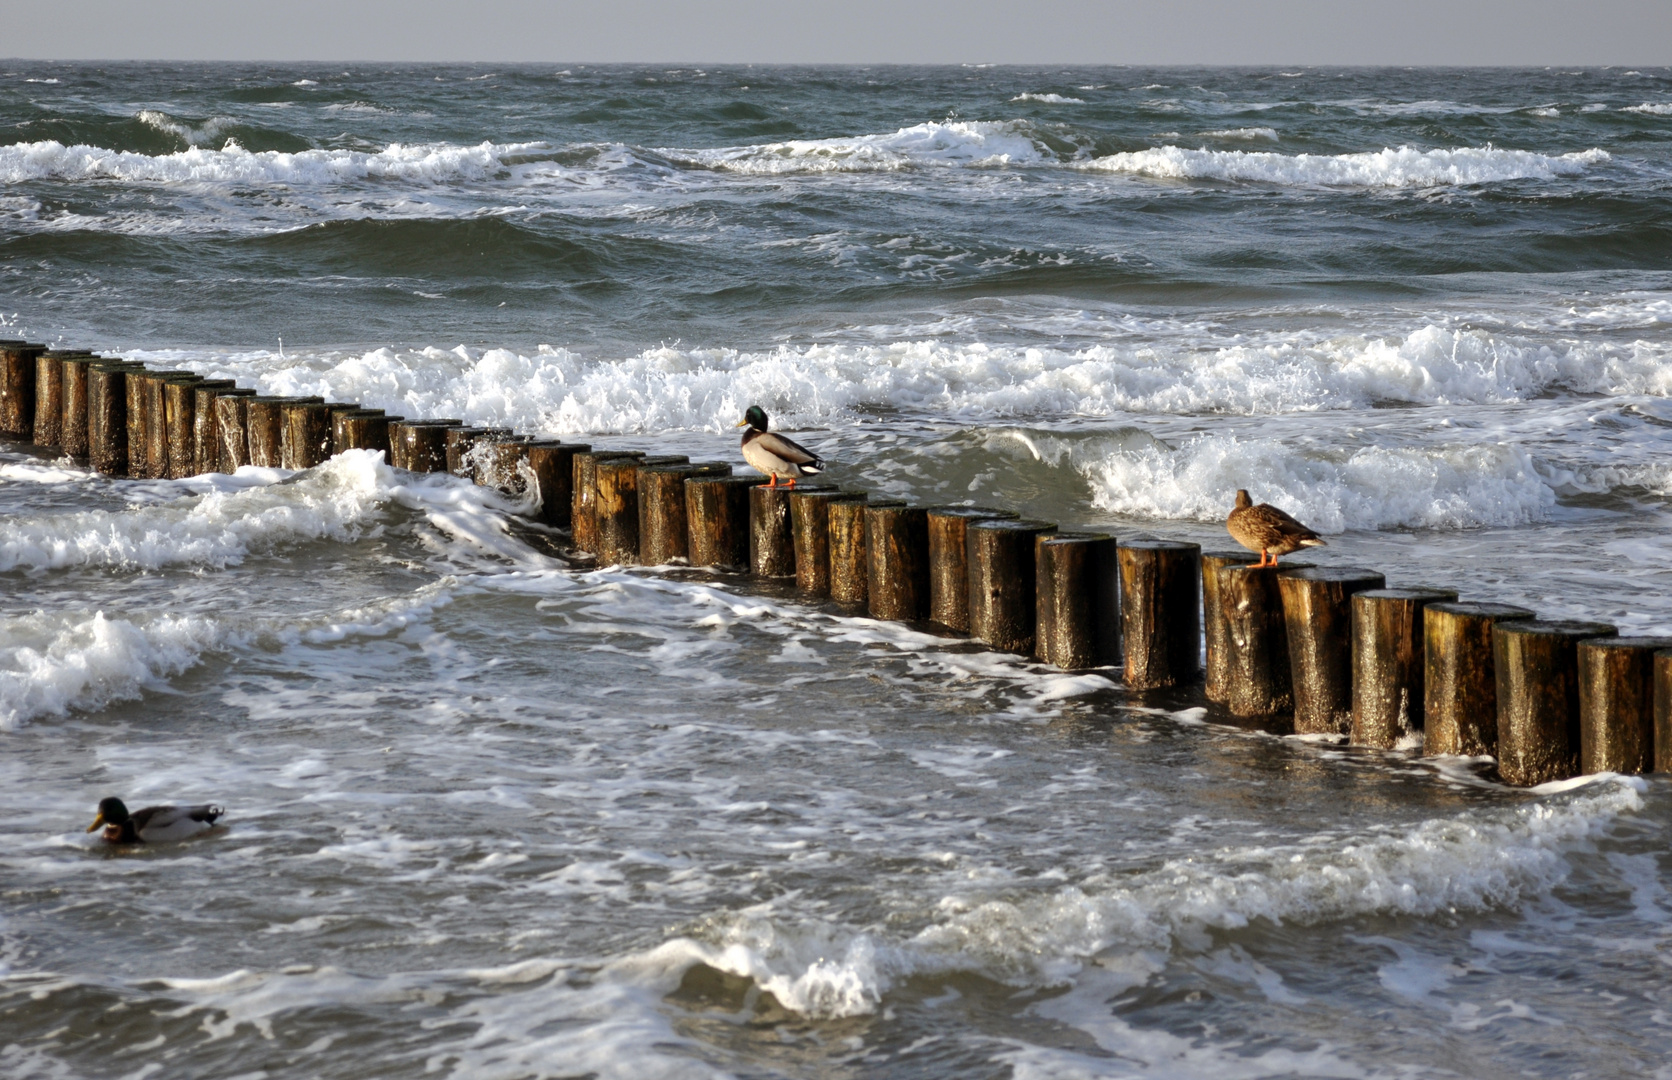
(788, 450)
(156, 824)
(1283, 523)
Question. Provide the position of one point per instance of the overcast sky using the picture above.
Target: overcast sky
(1567, 32)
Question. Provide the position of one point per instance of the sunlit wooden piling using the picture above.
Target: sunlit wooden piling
(1617, 703)
(584, 496)
(897, 561)
(1537, 668)
(206, 439)
(107, 417)
(717, 516)
(617, 512)
(1257, 682)
(1077, 600)
(17, 389)
(949, 573)
(1003, 581)
(47, 425)
(850, 570)
(1216, 660)
(1388, 663)
(232, 428)
(1160, 613)
(664, 521)
(810, 524)
(1460, 682)
(73, 421)
(420, 445)
(1317, 609)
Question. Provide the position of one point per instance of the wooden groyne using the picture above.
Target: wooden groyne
(1313, 650)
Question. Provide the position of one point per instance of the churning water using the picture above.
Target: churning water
(492, 817)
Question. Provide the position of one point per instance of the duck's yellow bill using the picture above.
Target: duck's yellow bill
(96, 823)
(741, 423)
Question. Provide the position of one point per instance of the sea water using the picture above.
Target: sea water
(491, 816)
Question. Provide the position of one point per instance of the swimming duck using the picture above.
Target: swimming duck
(775, 455)
(1268, 530)
(154, 824)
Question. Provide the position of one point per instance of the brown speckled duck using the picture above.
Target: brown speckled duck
(1267, 530)
(773, 454)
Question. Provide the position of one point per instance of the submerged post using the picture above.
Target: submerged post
(897, 561)
(949, 572)
(1537, 665)
(1318, 615)
(1003, 582)
(1257, 679)
(1617, 703)
(1077, 600)
(717, 514)
(1388, 663)
(1216, 642)
(664, 522)
(1160, 613)
(810, 526)
(849, 567)
(1460, 682)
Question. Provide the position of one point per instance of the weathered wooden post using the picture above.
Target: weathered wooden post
(462, 443)
(850, 570)
(335, 411)
(1257, 680)
(420, 445)
(263, 429)
(553, 463)
(1318, 615)
(180, 420)
(206, 437)
(305, 433)
(47, 425)
(502, 464)
(1617, 703)
(897, 561)
(1078, 600)
(1216, 640)
(1160, 613)
(949, 572)
(107, 416)
(1460, 683)
(717, 515)
(1004, 585)
(1389, 663)
(617, 480)
(366, 429)
(810, 526)
(17, 389)
(232, 429)
(1537, 666)
(139, 423)
(150, 397)
(73, 422)
(583, 499)
(1663, 710)
(772, 551)
(664, 522)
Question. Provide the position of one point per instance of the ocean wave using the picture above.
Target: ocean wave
(1471, 862)
(1650, 108)
(1049, 99)
(979, 143)
(1403, 167)
(1249, 133)
(198, 135)
(557, 391)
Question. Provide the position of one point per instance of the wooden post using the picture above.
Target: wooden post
(139, 425)
(717, 514)
(1663, 710)
(617, 514)
(305, 433)
(772, 529)
(206, 439)
(263, 430)
(461, 441)
(1216, 641)
(810, 525)
(152, 390)
(1161, 618)
(1460, 684)
(367, 429)
(420, 445)
(1617, 703)
(554, 471)
(850, 581)
(232, 429)
(664, 524)
(897, 561)
(17, 389)
(47, 425)
(583, 495)
(500, 464)
(74, 420)
(1537, 666)
(949, 572)
(334, 412)
(1078, 603)
(180, 419)
(1318, 615)
(107, 417)
(1257, 681)
(1004, 581)
(1389, 664)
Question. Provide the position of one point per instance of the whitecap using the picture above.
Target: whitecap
(1400, 167)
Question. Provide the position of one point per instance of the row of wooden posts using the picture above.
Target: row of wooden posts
(1329, 650)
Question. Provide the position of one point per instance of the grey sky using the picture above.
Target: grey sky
(1633, 32)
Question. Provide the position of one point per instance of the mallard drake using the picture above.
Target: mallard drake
(154, 824)
(1267, 530)
(775, 455)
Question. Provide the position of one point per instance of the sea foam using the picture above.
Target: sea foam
(1400, 167)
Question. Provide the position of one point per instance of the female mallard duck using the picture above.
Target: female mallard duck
(1268, 530)
(154, 824)
(775, 455)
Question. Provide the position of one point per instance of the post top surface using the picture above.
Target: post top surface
(970, 512)
(1482, 610)
(1012, 525)
(1405, 594)
(1569, 628)
(1073, 537)
(1328, 574)
(1162, 545)
(432, 423)
(825, 491)
(1640, 644)
(732, 481)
